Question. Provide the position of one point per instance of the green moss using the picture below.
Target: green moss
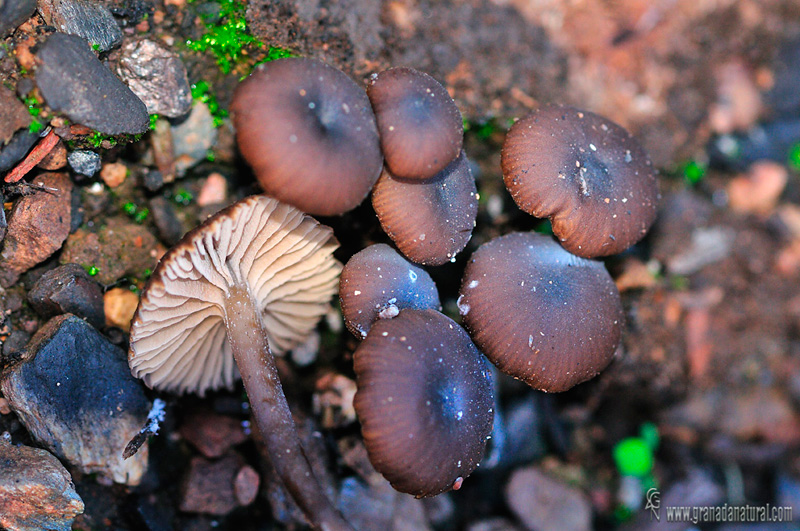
(153, 119)
(226, 35)
(34, 109)
(201, 91)
(91, 270)
(794, 157)
(96, 139)
(136, 213)
(694, 171)
(183, 197)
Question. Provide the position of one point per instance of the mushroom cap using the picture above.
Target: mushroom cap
(584, 172)
(424, 400)
(284, 257)
(430, 221)
(541, 314)
(420, 127)
(377, 283)
(309, 133)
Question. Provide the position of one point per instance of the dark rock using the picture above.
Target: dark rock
(73, 81)
(85, 162)
(770, 141)
(13, 13)
(15, 344)
(212, 434)
(153, 180)
(83, 18)
(209, 487)
(544, 504)
(118, 249)
(75, 394)
(157, 75)
(38, 225)
(36, 491)
(18, 147)
(68, 289)
(170, 228)
(14, 116)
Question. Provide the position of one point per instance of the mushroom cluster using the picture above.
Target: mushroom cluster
(255, 278)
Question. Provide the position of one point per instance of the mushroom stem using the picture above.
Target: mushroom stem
(271, 411)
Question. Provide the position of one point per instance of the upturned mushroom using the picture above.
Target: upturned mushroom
(584, 172)
(425, 401)
(256, 275)
(309, 133)
(541, 314)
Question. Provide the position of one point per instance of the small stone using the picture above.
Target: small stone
(212, 434)
(193, 137)
(118, 249)
(74, 393)
(83, 18)
(758, 191)
(56, 159)
(379, 506)
(68, 289)
(84, 162)
(169, 226)
(36, 491)
(157, 75)
(738, 104)
(245, 485)
(73, 81)
(707, 246)
(120, 305)
(545, 504)
(22, 142)
(209, 487)
(13, 13)
(38, 225)
(214, 190)
(114, 174)
(14, 116)
(5, 409)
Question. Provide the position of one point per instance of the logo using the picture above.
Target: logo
(653, 498)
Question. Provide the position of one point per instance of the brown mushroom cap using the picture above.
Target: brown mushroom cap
(424, 401)
(280, 255)
(541, 314)
(421, 128)
(430, 221)
(377, 283)
(584, 172)
(309, 133)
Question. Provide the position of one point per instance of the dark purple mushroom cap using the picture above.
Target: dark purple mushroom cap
(377, 283)
(541, 314)
(421, 128)
(430, 221)
(424, 401)
(309, 133)
(584, 172)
